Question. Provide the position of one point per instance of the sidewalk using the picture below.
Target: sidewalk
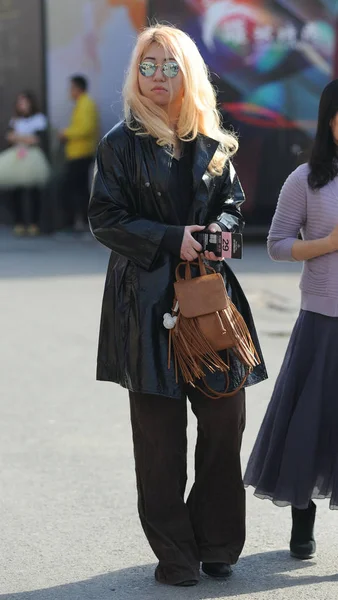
(69, 526)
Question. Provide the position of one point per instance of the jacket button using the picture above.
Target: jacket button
(147, 184)
(159, 194)
(208, 145)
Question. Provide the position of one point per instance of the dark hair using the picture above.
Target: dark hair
(34, 106)
(80, 82)
(323, 161)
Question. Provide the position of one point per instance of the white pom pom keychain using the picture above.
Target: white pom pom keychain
(169, 321)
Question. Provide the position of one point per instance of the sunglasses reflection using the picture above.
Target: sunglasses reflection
(169, 69)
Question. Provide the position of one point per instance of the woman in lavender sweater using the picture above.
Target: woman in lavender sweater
(295, 457)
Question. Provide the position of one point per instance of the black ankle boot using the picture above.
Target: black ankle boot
(217, 570)
(302, 543)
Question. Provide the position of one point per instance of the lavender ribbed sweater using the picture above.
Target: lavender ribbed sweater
(314, 214)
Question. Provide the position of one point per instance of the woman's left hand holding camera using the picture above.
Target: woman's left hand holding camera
(213, 228)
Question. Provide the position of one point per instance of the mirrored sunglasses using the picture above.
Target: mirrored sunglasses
(169, 69)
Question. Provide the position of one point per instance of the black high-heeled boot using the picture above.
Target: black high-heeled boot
(302, 543)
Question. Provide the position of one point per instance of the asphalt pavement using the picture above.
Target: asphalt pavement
(69, 525)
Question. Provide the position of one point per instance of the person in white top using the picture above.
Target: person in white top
(24, 168)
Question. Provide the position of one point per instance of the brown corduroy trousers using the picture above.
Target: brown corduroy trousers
(210, 525)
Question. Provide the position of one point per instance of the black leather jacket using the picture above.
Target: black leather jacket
(129, 212)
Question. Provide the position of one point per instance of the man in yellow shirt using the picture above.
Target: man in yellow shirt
(80, 139)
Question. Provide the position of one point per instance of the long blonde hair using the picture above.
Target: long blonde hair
(199, 112)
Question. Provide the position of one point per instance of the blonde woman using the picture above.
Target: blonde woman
(162, 175)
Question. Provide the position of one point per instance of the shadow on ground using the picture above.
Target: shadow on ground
(255, 573)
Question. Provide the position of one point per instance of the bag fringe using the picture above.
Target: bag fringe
(187, 336)
(244, 347)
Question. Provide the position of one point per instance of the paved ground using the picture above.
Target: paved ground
(69, 529)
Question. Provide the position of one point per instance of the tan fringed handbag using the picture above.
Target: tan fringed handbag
(205, 321)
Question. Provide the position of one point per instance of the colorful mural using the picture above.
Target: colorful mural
(270, 60)
(94, 38)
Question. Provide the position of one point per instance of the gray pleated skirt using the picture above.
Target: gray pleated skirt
(295, 457)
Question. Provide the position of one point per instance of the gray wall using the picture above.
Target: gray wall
(21, 54)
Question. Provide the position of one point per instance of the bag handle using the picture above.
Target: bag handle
(218, 395)
(200, 264)
(214, 395)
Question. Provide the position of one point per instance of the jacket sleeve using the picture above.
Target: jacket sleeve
(83, 124)
(289, 217)
(226, 211)
(111, 218)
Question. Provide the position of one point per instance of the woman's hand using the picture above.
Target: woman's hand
(190, 247)
(333, 239)
(31, 140)
(309, 249)
(28, 140)
(11, 137)
(213, 228)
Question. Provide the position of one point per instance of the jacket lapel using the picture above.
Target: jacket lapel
(160, 160)
(204, 151)
(158, 164)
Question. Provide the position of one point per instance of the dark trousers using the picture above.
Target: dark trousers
(26, 206)
(210, 525)
(76, 190)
